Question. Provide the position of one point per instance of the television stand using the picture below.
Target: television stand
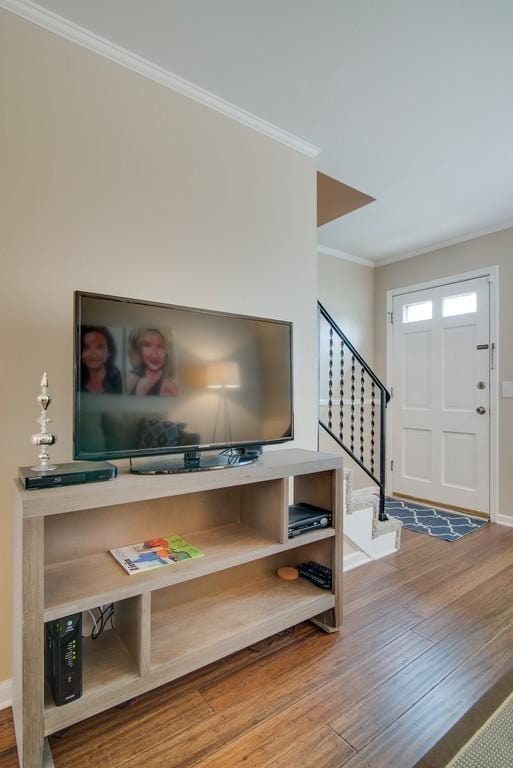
(196, 461)
(170, 621)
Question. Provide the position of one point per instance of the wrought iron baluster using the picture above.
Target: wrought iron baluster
(362, 414)
(382, 454)
(330, 382)
(373, 425)
(363, 451)
(341, 413)
(352, 401)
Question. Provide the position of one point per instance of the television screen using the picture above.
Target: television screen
(155, 379)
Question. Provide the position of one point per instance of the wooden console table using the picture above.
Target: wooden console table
(172, 620)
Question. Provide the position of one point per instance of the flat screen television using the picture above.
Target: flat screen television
(154, 379)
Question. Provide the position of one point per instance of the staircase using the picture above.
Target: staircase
(366, 537)
(354, 416)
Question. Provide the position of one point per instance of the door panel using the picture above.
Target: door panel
(440, 439)
(417, 365)
(417, 454)
(459, 368)
(459, 460)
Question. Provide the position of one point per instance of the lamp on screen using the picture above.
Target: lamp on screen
(223, 376)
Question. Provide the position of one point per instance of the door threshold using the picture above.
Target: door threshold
(448, 507)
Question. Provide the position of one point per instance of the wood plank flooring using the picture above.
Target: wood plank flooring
(427, 634)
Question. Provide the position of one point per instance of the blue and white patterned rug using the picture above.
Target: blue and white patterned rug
(440, 523)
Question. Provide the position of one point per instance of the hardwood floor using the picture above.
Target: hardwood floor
(427, 634)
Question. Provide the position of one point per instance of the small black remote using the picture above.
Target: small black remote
(316, 573)
(322, 570)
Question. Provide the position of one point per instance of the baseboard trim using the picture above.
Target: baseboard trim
(355, 559)
(5, 694)
(386, 553)
(505, 520)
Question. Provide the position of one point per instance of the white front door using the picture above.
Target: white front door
(441, 394)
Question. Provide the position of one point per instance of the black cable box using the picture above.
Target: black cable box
(305, 517)
(63, 658)
(74, 473)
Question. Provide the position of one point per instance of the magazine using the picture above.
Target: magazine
(155, 553)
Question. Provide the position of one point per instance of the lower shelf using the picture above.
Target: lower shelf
(107, 664)
(187, 634)
(230, 619)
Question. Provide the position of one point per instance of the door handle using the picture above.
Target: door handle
(481, 410)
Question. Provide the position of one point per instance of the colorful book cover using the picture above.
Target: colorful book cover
(155, 553)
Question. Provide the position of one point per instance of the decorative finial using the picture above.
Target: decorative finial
(44, 438)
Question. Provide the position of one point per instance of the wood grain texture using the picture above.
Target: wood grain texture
(462, 613)
(195, 623)
(323, 749)
(392, 681)
(218, 618)
(127, 488)
(315, 663)
(30, 665)
(98, 579)
(108, 668)
(9, 758)
(7, 737)
(259, 728)
(87, 532)
(133, 731)
(172, 621)
(369, 717)
(262, 508)
(133, 619)
(444, 593)
(442, 707)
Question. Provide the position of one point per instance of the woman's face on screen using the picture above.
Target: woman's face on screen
(95, 350)
(153, 351)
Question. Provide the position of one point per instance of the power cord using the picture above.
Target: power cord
(105, 614)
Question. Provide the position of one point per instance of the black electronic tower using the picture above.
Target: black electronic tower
(64, 658)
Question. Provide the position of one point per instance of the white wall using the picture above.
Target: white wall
(114, 184)
(346, 289)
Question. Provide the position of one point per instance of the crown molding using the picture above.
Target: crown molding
(344, 256)
(109, 50)
(445, 244)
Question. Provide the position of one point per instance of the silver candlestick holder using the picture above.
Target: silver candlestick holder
(44, 438)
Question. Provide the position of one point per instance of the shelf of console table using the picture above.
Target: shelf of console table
(172, 620)
(236, 618)
(87, 582)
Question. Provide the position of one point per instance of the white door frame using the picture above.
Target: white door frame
(492, 273)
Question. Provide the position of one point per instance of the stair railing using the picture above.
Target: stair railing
(356, 400)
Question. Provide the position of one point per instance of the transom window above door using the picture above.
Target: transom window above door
(452, 306)
(462, 304)
(414, 313)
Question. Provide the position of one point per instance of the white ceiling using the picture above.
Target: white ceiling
(411, 101)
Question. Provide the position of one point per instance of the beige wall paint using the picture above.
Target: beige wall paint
(112, 183)
(489, 250)
(346, 289)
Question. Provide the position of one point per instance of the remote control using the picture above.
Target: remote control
(318, 574)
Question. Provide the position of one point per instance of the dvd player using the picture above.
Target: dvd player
(73, 473)
(306, 517)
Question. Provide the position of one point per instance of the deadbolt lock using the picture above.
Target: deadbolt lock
(481, 384)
